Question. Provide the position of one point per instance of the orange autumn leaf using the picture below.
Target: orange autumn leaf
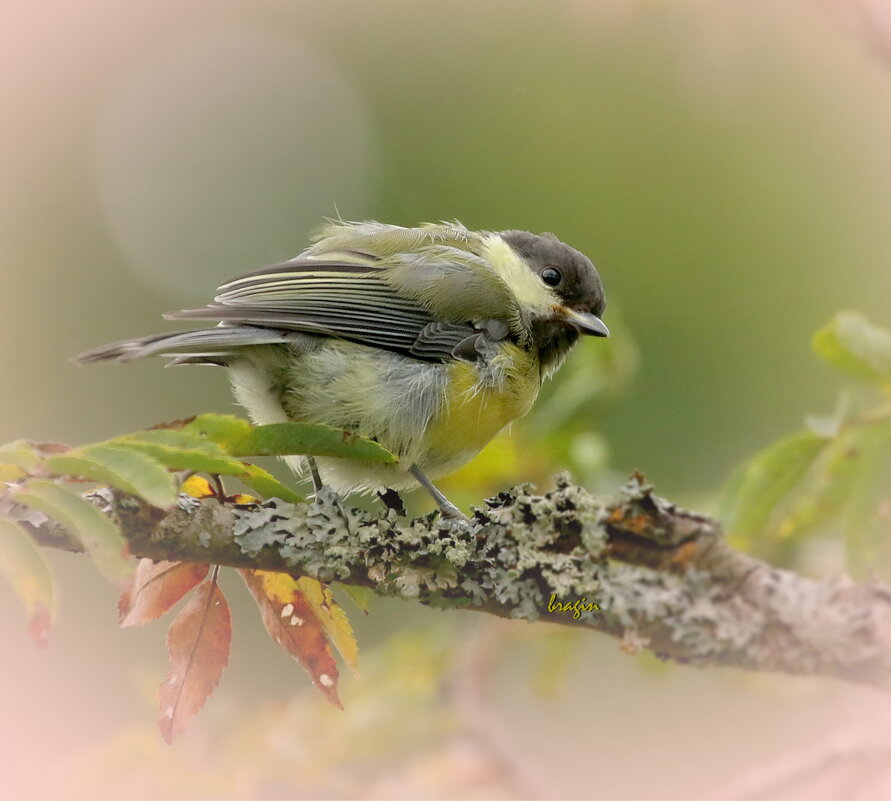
(333, 619)
(290, 621)
(198, 643)
(155, 588)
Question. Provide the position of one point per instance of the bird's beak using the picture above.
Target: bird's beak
(586, 323)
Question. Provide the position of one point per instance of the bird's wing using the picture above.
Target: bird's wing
(368, 298)
(441, 265)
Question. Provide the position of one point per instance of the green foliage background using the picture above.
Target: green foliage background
(724, 164)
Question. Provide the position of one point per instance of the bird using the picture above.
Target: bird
(428, 339)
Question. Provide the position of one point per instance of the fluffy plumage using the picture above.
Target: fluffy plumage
(429, 339)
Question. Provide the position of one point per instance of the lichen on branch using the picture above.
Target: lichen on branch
(645, 571)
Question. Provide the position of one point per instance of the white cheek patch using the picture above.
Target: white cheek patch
(533, 295)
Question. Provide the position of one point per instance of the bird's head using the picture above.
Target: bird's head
(569, 300)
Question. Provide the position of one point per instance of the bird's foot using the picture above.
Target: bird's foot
(448, 511)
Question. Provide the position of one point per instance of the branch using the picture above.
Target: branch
(662, 577)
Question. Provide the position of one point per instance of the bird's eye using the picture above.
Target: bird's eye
(551, 276)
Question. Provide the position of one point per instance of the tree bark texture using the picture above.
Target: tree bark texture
(634, 566)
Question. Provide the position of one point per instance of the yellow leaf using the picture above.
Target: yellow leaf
(281, 587)
(9, 472)
(242, 499)
(292, 623)
(197, 487)
(278, 587)
(29, 576)
(333, 619)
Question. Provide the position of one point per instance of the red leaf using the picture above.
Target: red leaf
(198, 643)
(293, 624)
(50, 448)
(155, 588)
(174, 424)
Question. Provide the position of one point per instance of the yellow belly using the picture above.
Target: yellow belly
(476, 410)
(427, 417)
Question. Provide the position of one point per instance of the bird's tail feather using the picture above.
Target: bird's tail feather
(206, 346)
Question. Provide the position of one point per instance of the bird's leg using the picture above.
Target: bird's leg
(317, 486)
(314, 472)
(447, 509)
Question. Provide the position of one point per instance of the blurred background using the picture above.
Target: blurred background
(725, 164)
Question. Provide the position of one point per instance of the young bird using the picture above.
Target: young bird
(429, 340)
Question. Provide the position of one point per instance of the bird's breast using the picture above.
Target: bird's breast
(435, 415)
(483, 397)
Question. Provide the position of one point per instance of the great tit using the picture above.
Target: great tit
(429, 340)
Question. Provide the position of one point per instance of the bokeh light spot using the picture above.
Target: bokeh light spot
(218, 153)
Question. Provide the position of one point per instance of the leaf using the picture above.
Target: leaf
(282, 439)
(187, 450)
(20, 454)
(10, 473)
(197, 487)
(50, 448)
(333, 620)
(221, 428)
(267, 485)
(29, 576)
(853, 345)
(291, 622)
(21, 458)
(96, 532)
(868, 513)
(360, 596)
(198, 643)
(241, 499)
(181, 450)
(240, 439)
(762, 484)
(829, 484)
(125, 469)
(156, 587)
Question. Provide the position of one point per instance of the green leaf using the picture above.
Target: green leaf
(283, 439)
(360, 596)
(853, 345)
(29, 576)
(181, 450)
(240, 439)
(761, 485)
(185, 450)
(20, 454)
(868, 513)
(266, 484)
(126, 469)
(829, 485)
(221, 428)
(96, 532)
